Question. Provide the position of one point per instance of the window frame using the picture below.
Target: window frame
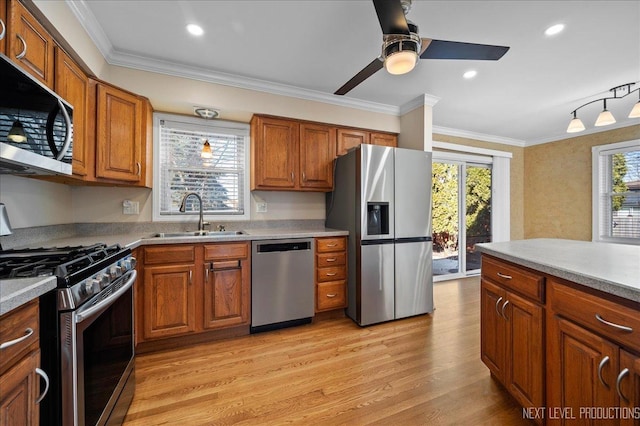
(219, 125)
(596, 154)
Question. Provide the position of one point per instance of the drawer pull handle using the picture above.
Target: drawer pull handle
(504, 306)
(604, 362)
(331, 274)
(331, 295)
(497, 303)
(190, 276)
(506, 277)
(618, 381)
(331, 245)
(42, 374)
(614, 325)
(24, 47)
(27, 333)
(4, 29)
(333, 259)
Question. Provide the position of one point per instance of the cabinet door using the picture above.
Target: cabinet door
(29, 44)
(225, 295)
(584, 367)
(3, 26)
(73, 85)
(20, 387)
(492, 328)
(383, 139)
(317, 151)
(350, 138)
(628, 387)
(169, 301)
(525, 352)
(118, 135)
(274, 158)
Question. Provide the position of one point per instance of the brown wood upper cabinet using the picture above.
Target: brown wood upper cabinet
(29, 44)
(73, 85)
(3, 26)
(123, 136)
(350, 138)
(291, 155)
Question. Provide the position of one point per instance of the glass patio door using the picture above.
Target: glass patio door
(461, 192)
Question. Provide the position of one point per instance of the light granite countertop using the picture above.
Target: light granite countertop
(16, 292)
(611, 268)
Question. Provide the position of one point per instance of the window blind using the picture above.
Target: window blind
(218, 180)
(619, 193)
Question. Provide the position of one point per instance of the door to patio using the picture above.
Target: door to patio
(461, 192)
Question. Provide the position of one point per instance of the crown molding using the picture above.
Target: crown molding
(422, 100)
(591, 131)
(478, 136)
(91, 25)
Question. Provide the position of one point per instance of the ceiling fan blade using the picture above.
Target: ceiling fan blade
(443, 49)
(391, 17)
(366, 72)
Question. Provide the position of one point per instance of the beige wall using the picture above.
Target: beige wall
(516, 177)
(557, 190)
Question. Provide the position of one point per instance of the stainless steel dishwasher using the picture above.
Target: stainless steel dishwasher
(282, 284)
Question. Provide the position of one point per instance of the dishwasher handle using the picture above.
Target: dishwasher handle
(279, 247)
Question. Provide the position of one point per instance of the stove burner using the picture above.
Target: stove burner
(61, 262)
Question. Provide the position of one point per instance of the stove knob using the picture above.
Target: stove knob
(91, 286)
(115, 271)
(104, 280)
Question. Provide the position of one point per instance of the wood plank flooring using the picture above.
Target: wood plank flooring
(424, 370)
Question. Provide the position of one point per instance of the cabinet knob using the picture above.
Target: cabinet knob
(24, 47)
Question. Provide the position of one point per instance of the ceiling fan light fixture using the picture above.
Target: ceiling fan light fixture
(400, 62)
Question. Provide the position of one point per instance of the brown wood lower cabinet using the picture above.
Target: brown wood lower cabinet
(331, 273)
(568, 353)
(19, 359)
(189, 289)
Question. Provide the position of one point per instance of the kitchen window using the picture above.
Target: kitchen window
(222, 180)
(616, 192)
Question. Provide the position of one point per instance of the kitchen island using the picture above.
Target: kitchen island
(560, 326)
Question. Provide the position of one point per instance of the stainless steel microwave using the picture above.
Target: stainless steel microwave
(36, 125)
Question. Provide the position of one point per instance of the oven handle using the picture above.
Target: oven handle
(85, 314)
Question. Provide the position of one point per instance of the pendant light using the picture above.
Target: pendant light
(635, 112)
(16, 134)
(605, 118)
(206, 150)
(575, 125)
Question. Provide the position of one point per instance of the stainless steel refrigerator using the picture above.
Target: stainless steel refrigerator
(382, 196)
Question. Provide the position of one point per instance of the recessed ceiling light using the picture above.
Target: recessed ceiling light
(470, 74)
(554, 29)
(194, 29)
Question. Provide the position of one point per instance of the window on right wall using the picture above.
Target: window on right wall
(616, 192)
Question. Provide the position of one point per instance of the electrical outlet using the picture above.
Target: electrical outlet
(261, 207)
(130, 207)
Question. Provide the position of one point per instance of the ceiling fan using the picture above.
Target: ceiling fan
(402, 46)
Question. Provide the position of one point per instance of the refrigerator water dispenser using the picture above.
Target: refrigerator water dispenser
(377, 218)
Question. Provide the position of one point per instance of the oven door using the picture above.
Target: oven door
(97, 350)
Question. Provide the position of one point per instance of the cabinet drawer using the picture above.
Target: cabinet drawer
(21, 323)
(169, 254)
(585, 309)
(332, 273)
(226, 251)
(514, 277)
(331, 259)
(331, 295)
(325, 245)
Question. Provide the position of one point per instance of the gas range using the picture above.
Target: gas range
(81, 271)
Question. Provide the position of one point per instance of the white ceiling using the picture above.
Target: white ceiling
(310, 48)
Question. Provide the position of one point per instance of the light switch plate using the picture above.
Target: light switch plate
(261, 207)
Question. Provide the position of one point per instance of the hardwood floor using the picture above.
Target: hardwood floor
(418, 371)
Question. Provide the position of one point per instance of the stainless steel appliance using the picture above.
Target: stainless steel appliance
(86, 330)
(382, 196)
(282, 284)
(36, 125)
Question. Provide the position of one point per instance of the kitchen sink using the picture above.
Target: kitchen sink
(196, 234)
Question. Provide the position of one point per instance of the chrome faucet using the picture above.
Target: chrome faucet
(183, 208)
